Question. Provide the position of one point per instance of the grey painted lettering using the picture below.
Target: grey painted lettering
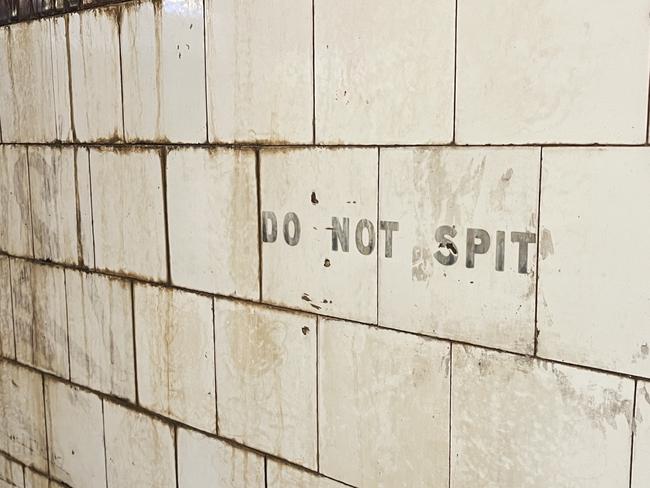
(269, 227)
(473, 248)
(292, 240)
(447, 253)
(340, 234)
(523, 239)
(501, 250)
(365, 249)
(389, 227)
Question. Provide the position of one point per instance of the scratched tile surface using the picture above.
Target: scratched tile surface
(302, 269)
(452, 268)
(524, 422)
(591, 312)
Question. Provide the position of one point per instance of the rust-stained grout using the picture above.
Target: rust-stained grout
(453, 129)
(539, 238)
(633, 428)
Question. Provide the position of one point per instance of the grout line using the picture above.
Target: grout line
(31, 211)
(92, 209)
(285, 309)
(636, 383)
(318, 325)
(266, 473)
(118, 21)
(67, 321)
(214, 360)
(50, 26)
(77, 198)
(205, 72)
(313, 71)
(451, 369)
(13, 314)
(453, 129)
(163, 173)
(135, 355)
(47, 436)
(647, 123)
(539, 238)
(104, 439)
(377, 236)
(258, 182)
(175, 430)
(73, 129)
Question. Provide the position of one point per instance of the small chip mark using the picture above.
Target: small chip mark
(305, 330)
(314, 200)
(305, 297)
(317, 307)
(327, 263)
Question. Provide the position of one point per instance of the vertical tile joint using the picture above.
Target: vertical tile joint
(453, 130)
(636, 385)
(539, 208)
(258, 184)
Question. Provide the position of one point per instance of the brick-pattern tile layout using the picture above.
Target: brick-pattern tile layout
(174, 339)
(457, 251)
(219, 255)
(319, 207)
(549, 71)
(383, 406)
(370, 91)
(309, 244)
(266, 379)
(204, 462)
(524, 422)
(595, 204)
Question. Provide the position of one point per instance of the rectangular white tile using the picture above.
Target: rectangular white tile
(100, 329)
(128, 211)
(593, 294)
(383, 406)
(163, 71)
(641, 453)
(139, 450)
(280, 475)
(11, 473)
(7, 344)
(266, 379)
(213, 220)
(301, 269)
(26, 83)
(552, 71)
(175, 354)
(450, 267)
(205, 462)
(75, 434)
(16, 217)
(259, 70)
(518, 421)
(384, 73)
(22, 416)
(95, 74)
(40, 317)
(54, 203)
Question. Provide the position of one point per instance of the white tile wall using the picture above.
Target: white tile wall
(128, 211)
(175, 355)
(552, 71)
(266, 379)
(213, 221)
(40, 316)
(22, 416)
(383, 406)
(139, 450)
(384, 72)
(163, 71)
(492, 189)
(592, 300)
(75, 435)
(318, 185)
(204, 462)
(259, 70)
(52, 178)
(16, 217)
(100, 329)
(95, 74)
(518, 421)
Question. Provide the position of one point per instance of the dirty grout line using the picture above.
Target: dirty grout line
(135, 355)
(313, 70)
(539, 238)
(92, 210)
(451, 376)
(163, 173)
(453, 129)
(104, 440)
(636, 384)
(205, 72)
(258, 184)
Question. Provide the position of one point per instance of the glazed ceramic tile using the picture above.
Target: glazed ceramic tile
(175, 355)
(552, 71)
(517, 421)
(457, 251)
(319, 215)
(266, 379)
(383, 406)
(16, 218)
(163, 71)
(593, 297)
(259, 70)
(384, 74)
(213, 221)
